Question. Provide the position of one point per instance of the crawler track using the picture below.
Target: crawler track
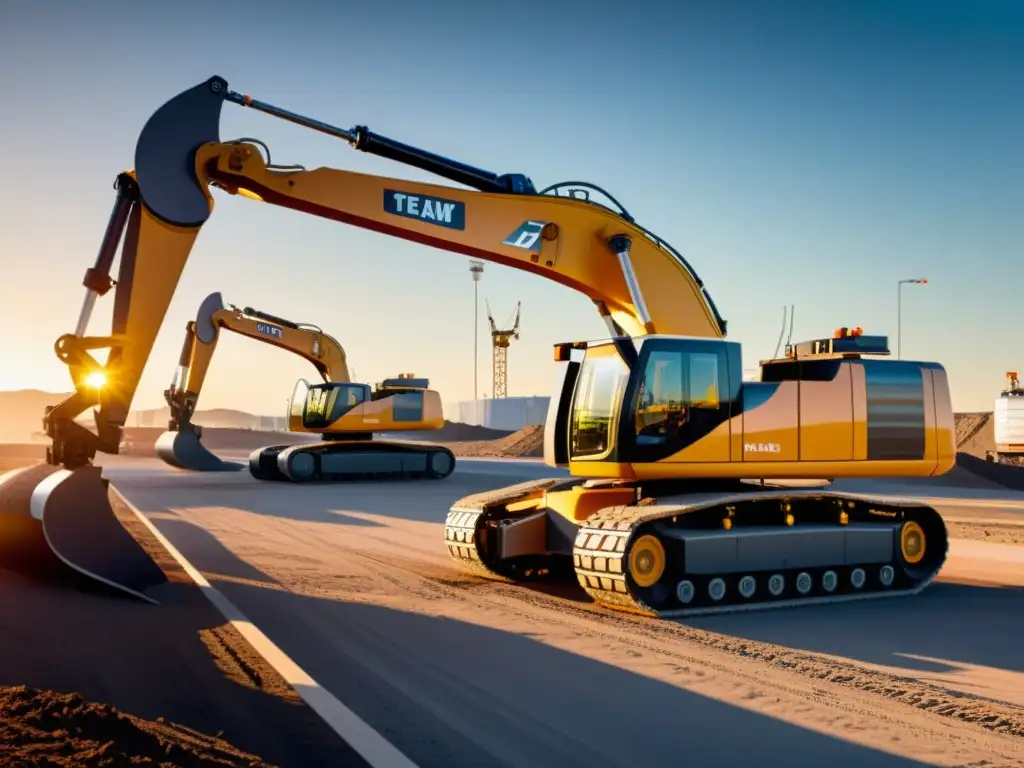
(717, 553)
(342, 461)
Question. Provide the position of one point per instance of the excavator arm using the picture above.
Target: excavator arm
(201, 336)
(162, 205)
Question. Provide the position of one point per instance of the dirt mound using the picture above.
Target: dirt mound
(451, 432)
(975, 433)
(969, 424)
(40, 727)
(1011, 477)
(527, 442)
(456, 430)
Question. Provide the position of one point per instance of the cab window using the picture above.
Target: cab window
(344, 397)
(298, 401)
(599, 388)
(676, 388)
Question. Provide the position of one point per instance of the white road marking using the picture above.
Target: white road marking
(371, 746)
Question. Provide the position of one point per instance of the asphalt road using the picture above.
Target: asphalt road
(354, 584)
(178, 662)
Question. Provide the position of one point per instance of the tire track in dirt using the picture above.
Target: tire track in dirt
(819, 692)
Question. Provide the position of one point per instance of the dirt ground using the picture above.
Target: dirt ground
(67, 709)
(175, 685)
(527, 442)
(975, 433)
(63, 729)
(358, 588)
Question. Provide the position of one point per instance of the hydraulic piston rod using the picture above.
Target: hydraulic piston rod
(361, 138)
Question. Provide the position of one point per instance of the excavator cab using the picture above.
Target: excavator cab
(673, 407)
(353, 411)
(320, 405)
(643, 400)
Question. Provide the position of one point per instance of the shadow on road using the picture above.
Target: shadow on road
(164, 661)
(956, 623)
(980, 625)
(448, 692)
(417, 500)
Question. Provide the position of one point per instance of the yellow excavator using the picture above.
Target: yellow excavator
(656, 426)
(345, 413)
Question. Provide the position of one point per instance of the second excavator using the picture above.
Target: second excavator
(345, 413)
(655, 423)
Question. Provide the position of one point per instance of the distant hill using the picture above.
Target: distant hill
(21, 420)
(21, 415)
(21, 412)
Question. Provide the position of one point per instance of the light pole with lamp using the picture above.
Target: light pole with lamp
(476, 269)
(899, 311)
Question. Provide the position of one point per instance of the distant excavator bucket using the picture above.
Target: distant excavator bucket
(60, 525)
(185, 451)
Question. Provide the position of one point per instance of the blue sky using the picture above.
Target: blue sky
(797, 153)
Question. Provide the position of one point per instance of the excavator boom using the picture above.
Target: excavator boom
(162, 205)
(657, 416)
(181, 446)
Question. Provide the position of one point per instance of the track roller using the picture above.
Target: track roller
(757, 551)
(747, 586)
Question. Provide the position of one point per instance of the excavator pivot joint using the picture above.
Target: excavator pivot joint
(166, 149)
(620, 243)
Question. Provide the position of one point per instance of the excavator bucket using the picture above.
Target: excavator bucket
(185, 451)
(59, 524)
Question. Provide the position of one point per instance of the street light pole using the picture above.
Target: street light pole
(899, 311)
(476, 269)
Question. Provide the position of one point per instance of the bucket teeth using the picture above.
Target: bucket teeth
(185, 451)
(60, 524)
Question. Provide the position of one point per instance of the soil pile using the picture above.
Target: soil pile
(975, 433)
(454, 431)
(526, 443)
(45, 728)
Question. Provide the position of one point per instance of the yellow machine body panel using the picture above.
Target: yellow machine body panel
(823, 418)
(336, 409)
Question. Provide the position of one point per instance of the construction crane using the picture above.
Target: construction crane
(500, 341)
